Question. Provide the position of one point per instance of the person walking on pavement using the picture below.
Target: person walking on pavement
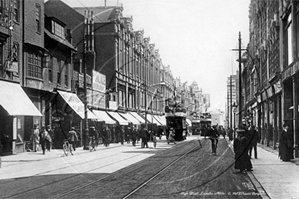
(286, 144)
(128, 134)
(51, 137)
(214, 138)
(35, 138)
(105, 135)
(44, 136)
(122, 135)
(72, 136)
(134, 135)
(154, 140)
(230, 134)
(242, 159)
(144, 136)
(254, 138)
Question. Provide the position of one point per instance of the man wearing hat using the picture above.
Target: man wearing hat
(73, 137)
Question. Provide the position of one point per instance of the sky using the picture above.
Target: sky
(194, 37)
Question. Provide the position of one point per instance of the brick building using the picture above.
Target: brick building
(271, 74)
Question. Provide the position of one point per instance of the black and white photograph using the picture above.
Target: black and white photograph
(149, 99)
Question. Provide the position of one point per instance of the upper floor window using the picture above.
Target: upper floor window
(16, 10)
(58, 29)
(38, 17)
(34, 65)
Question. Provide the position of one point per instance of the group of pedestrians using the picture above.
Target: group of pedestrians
(41, 138)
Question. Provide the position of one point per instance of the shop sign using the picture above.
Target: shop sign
(113, 105)
(12, 66)
(270, 91)
(81, 81)
(277, 87)
(263, 96)
(99, 81)
(96, 99)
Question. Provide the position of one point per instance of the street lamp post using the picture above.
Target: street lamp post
(240, 79)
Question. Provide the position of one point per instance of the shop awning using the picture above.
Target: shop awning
(189, 122)
(161, 120)
(117, 117)
(76, 104)
(152, 120)
(15, 101)
(130, 118)
(102, 116)
(137, 116)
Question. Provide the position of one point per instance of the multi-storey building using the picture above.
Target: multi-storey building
(271, 73)
(231, 101)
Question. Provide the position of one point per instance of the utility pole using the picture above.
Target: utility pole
(240, 80)
(230, 101)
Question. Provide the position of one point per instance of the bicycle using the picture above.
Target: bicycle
(67, 147)
(93, 144)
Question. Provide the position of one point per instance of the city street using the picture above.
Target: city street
(116, 171)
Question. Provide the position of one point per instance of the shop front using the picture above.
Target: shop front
(15, 107)
(68, 111)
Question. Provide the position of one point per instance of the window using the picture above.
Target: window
(58, 78)
(66, 75)
(50, 75)
(15, 10)
(38, 17)
(1, 54)
(50, 70)
(58, 29)
(34, 65)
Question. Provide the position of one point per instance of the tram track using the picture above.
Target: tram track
(118, 175)
(160, 172)
(73, 176)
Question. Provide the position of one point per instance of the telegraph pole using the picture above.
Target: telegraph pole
(240, 80)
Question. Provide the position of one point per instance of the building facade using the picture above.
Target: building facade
(271, 73)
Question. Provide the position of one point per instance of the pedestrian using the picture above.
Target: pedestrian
(104, 136)
(93, 136)
(144, 136)
(242, 158)
(128, 134)
(72, 136)
(122, 135)
(286, 144)
(35, 138)
(254, 139)
(154, 140)
(214, 138)
(44, 136)
(51, 137)
(113, 134)
(171, 136)
(134, 135)
(108, 135)
(230, 134)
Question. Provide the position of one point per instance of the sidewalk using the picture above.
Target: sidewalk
(18, 158)
(272, 177)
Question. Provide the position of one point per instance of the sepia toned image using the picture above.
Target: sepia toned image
(149, 99)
